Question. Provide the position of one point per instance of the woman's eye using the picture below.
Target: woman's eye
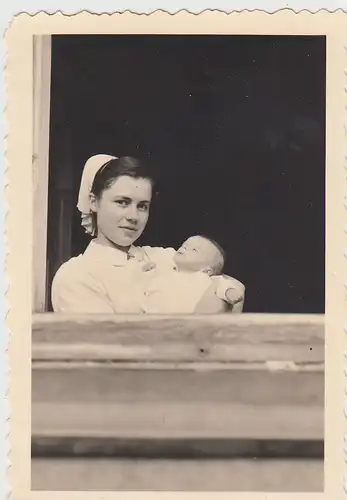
(143, 208)
(122, 203)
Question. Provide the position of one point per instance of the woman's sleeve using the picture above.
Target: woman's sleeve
(160, 255)
(74, 292)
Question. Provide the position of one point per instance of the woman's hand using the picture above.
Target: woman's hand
(232, 291)
(235, 295)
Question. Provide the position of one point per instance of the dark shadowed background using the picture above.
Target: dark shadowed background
(234, 125)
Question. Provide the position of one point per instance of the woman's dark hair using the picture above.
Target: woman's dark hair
(126, 165)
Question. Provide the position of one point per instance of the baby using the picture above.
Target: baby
(177, 284)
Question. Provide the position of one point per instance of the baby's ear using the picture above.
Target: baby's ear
(208, 271)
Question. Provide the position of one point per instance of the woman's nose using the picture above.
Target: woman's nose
(132, 213)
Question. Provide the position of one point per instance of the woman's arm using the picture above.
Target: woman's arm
(76, 292)
(224, 294)
(210, 303)
(159, 255)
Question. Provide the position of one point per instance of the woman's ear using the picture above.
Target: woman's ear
(93, 202)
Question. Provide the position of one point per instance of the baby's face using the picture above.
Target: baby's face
(196, 254)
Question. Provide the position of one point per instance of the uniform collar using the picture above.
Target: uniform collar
(113, 256)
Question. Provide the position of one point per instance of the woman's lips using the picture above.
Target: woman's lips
(128, 228)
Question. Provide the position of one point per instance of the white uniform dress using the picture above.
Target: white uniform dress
(103, 280)
(106, 280)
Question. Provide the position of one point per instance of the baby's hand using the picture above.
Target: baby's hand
(148, 266)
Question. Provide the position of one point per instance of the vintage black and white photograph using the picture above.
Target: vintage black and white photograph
(181, 269)
(202, 157)
(185, 175)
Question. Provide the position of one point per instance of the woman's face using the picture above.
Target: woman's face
(122, 210)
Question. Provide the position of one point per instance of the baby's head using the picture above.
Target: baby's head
(199, 253)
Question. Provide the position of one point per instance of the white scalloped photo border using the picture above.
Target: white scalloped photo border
(41, 22)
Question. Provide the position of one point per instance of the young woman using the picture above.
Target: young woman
(114, 200)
